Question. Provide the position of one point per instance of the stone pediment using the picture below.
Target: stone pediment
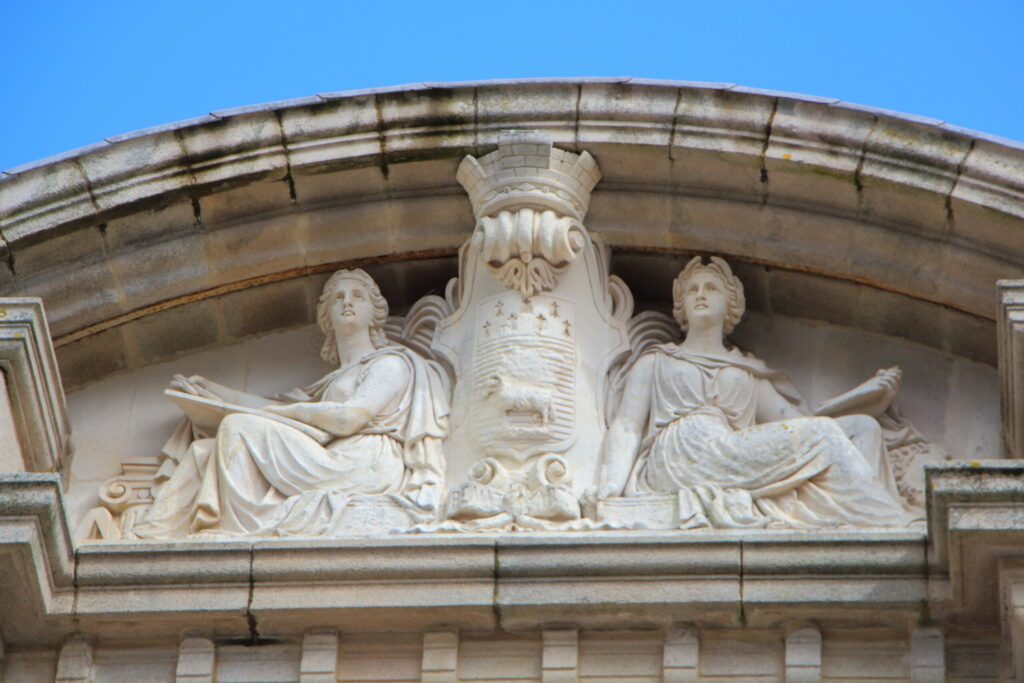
(861, 239)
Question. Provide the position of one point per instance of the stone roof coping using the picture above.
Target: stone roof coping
(11, 173)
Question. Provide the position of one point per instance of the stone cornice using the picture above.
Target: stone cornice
(245, 589)
(975, 525)
(334, 131)
(169, 217)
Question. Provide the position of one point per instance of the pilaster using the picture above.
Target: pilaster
(34, 426)
(1010, 335)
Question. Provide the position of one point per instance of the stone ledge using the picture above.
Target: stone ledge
(517, 582)
(476, 582)
(975, 525)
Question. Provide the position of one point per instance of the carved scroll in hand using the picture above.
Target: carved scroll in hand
(908, 451)
(359, 450)
(726, 441)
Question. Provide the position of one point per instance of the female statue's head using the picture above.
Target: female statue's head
(350, 303)
(708, 290)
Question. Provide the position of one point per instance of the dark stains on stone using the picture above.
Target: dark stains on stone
(250, 618)
(764, 148)
(950, 219)
(8, 254)
(88, 185)
(743, 607)
(197, 212)
(495, 576)
(287, 159)
(476, 122)
(576, 120)
(857, 182)
(382, 142)
(675, 124)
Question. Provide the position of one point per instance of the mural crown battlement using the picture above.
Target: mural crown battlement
(527, 170)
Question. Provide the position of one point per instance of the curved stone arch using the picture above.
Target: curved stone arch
(158, 228)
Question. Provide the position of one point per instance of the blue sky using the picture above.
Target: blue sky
(72, 73)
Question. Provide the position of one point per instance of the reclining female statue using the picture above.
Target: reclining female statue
(372, 427)
(732, 437)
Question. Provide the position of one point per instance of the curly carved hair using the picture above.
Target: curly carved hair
(329, 351)
(733, 289)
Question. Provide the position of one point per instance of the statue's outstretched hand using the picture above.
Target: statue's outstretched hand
(872, 397)
(890, 379)
(884, 386)
(196, 385)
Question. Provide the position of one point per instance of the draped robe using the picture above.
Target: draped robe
(258, 476)
(702, 441)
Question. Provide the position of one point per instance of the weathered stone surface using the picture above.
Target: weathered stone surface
(1011, 359)
(37, 432)
(863, 237)
(664, 138)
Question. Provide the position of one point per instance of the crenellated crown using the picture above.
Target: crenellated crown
(528, 171)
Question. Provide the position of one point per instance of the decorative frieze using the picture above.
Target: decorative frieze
(512, 404)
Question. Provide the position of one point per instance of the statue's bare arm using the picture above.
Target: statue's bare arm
(622, 442)
(385, 380)
(872, 397)
(198, 385)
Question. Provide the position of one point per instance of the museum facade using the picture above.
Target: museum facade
(553, 380)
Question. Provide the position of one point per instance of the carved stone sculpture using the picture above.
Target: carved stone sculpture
(727, 442)
(361, 448)
(537, 321)
(530, 199)
(566, 413)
